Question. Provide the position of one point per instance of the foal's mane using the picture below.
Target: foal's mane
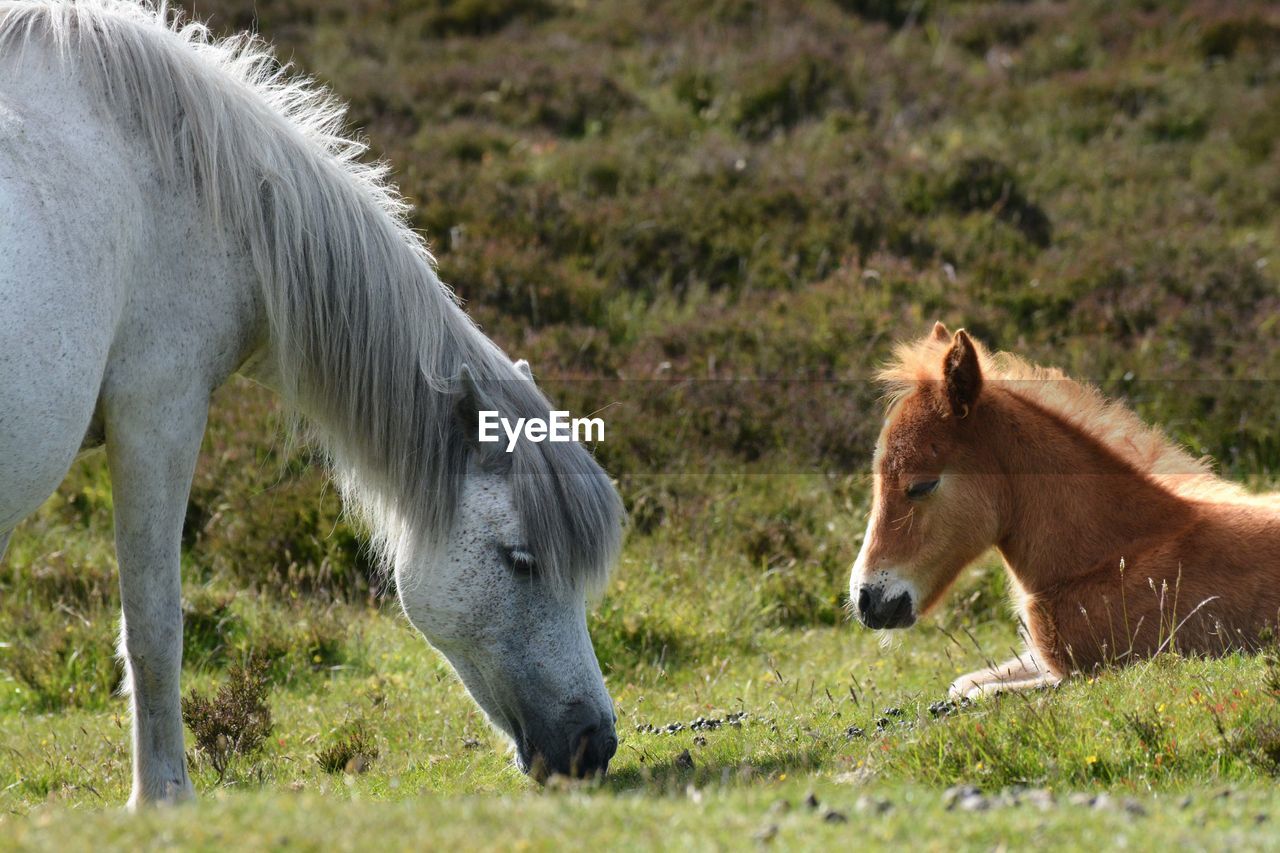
(1111, 423)
(368, 343)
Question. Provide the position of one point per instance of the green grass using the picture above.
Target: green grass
(717, 218)
(440, 775)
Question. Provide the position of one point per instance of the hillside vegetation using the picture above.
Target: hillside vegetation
(712, 221)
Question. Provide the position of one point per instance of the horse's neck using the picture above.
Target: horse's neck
(1072, 504)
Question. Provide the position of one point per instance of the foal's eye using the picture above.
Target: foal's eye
(519, 561)
(916, 491)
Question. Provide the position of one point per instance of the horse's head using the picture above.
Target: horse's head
(932, 510)
(491, 599)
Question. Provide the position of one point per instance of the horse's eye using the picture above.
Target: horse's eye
(916, 491)
(519, 561)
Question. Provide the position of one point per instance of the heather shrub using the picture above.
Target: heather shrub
(233, 723)
(351, 749)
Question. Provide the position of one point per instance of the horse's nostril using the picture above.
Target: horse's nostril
(864, 601)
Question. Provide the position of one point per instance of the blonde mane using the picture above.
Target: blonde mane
(1114, 425)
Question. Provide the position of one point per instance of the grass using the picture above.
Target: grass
(1197, 780)
(717, 218)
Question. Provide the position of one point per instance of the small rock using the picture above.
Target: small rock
(780, 807)
(767, 833)
(1135, 808)
(1041, 798)
(853, 732)
(1103, 801)
(955, 793)
(1010, 797)
(1080, 798)
(684, 760)
(811, 800)
(875, 805)
(833, 816)
(973, 803)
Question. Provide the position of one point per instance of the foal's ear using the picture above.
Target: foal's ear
(940, 333)
(962, 375)
(523, 368)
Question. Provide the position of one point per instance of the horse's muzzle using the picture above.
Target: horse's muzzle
(875, 610)
(584, 754)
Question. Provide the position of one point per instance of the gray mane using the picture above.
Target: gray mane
(368, 342)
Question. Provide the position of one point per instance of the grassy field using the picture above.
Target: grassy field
(716, 218)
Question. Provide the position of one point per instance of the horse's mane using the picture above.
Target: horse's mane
(1111, 423)
(368, 343)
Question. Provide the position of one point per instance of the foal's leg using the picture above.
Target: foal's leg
(1021, 673)
(152, 448)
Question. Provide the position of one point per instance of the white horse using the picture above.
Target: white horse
(174, 209)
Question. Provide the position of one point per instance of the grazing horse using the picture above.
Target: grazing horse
(175, 209)
(1118, 544)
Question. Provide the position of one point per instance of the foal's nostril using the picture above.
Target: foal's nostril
(877, 611)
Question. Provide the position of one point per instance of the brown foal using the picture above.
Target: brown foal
(1119, 545)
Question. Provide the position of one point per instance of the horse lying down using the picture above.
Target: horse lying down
(1118, 544)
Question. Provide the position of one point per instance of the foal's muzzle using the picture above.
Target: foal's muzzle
(875, 610)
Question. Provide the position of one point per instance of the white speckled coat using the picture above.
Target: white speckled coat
(171, 213)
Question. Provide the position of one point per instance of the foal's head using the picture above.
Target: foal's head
(934, 509)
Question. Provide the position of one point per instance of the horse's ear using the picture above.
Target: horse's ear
(962, 375)
(469, 401)
(940, 333)
(523, 368)
(468, 390)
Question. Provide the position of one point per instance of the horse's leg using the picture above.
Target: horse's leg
(1021, 673)
(151, 448)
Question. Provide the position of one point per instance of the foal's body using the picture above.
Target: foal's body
(1201, 562)
(1119, 545)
